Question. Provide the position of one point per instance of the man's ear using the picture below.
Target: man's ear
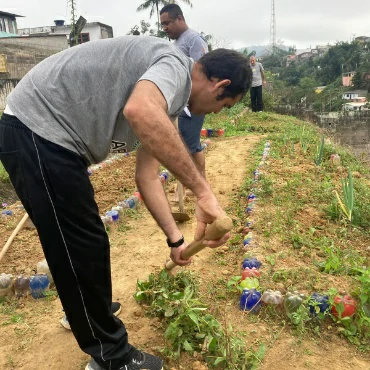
(220, 86)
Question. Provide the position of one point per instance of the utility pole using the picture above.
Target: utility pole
(273, 27)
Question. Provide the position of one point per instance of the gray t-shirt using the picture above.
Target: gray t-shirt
(192, 44)
(75, 98)
(257, 75)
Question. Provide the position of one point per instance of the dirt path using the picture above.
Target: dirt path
(37, 341)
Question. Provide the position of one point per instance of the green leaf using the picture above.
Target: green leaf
(219, 360)
(212, 343)
(187, 346)
(194, 318)
(261, 351)
(169, 312)
(200, 335)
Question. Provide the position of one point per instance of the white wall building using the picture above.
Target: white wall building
(92, 31)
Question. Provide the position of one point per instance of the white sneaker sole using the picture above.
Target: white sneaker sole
(65, 324)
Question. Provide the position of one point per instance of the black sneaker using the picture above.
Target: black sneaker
(144, 361)
(116, 309)
(141, 361)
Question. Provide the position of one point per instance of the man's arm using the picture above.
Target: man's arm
(155, 199)
(146, 111)
(263, 75)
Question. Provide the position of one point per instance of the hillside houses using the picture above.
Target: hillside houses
(305, 54)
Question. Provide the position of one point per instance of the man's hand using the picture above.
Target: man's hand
(176, 255)
(218, 242)
(208, 210)
(264, 82)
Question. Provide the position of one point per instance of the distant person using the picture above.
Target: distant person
(258, 81)
(192, 44)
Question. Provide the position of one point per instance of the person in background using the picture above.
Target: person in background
(191, 43)
(257, 83)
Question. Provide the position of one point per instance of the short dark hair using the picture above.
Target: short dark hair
(173, 11)
(225, 64)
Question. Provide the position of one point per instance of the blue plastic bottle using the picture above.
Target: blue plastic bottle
(38, 285)
(251, 262)
(250, 300)
(113, 214)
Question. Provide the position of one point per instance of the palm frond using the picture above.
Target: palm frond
(144, 6)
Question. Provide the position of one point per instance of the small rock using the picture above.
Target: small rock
(199, 366)
(221, 192)
(225, 272)
(225, 248)
(138, 313)
(155, 322)
(281, 288)
(356, 174)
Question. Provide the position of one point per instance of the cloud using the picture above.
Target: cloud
(243, 22)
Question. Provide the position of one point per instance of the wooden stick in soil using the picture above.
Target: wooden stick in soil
(214, 231)
(11, 238)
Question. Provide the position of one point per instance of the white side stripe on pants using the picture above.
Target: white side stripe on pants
(66, 248)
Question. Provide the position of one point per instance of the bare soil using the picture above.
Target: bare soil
(37, 340)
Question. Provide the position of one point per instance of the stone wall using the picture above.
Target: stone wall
(23, 53)
(42, 42)
(349, 128)
(20, 54)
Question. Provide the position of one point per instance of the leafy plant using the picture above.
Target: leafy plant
(348, 196)
(340, 261)
(189, 327)
(233, 284)
(271, 260)
(319, 152)
(304, 145)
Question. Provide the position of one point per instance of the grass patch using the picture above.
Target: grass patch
(4, 178)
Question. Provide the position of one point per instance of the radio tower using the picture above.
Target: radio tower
(273, 27)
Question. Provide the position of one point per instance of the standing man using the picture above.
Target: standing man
(63, 116)
(194, 46)
(258, 81)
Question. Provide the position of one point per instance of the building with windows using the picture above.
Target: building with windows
(8, 24)
(91, 31)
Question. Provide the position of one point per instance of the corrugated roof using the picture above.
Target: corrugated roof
(10, 14)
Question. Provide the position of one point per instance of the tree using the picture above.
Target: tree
(307, 83)
(146, 30)
(219, 42)
(154, 5)
(208, 39)
(358, 81)
(247, 54)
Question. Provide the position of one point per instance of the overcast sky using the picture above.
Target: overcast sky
(303, 23)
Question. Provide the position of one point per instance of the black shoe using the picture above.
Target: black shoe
(116, 309)
(144, 361)
(140, 361)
